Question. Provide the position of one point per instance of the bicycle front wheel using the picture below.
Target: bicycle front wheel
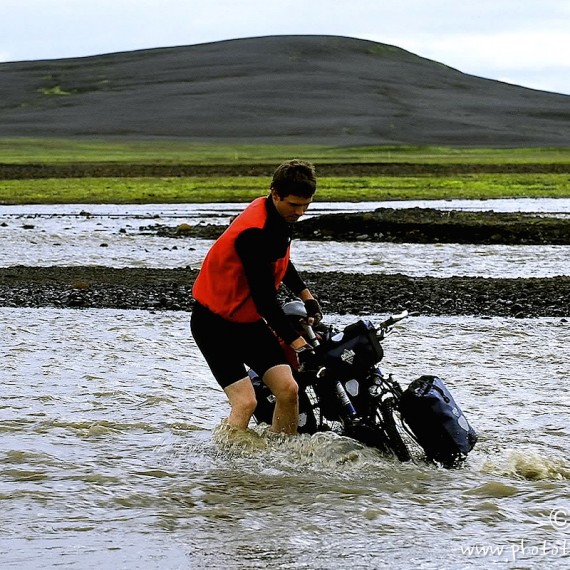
(397, 445)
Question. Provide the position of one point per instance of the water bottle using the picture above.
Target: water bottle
(345, 400)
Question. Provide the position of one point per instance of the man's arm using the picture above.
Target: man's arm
(250, 246)
(297, 286)
(293, 280)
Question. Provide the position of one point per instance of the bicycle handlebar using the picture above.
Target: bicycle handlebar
(392, 320)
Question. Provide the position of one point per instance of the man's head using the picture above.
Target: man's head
(292, 188)
(294, 177)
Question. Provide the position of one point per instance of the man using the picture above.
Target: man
(236, 313)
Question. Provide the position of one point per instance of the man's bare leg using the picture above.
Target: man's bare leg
(242, 401)
(280, 381)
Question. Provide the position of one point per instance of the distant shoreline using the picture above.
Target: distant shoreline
(408, 225)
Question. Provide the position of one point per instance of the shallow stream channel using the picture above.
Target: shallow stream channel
(110, 235)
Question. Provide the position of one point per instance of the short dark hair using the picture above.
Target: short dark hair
(296, 177)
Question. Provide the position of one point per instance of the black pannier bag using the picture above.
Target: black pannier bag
(353, 351)
(348, 355)
(436, 421)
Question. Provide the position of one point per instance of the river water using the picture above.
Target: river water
(113, 452)
(110, 235)
(113, 455)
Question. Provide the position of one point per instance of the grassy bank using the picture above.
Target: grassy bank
(58, 151)
(76, 171)
(238, 189)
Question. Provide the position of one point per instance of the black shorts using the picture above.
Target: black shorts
(228, 347)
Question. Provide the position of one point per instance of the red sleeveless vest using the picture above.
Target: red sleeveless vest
(221, 285)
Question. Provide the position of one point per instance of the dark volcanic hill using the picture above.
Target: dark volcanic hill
(278, 89)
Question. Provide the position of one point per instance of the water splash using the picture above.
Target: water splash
(235, 442)
(527, 465)
(325, 452)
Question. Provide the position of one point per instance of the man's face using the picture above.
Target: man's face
(290, 208)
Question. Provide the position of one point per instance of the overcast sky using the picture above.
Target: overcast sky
(526, 42)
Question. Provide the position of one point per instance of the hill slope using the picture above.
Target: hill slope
(277, 89)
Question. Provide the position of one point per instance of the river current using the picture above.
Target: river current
(114, 454)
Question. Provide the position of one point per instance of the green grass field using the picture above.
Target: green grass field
(240, 189)
(243, 188)
(57, 151)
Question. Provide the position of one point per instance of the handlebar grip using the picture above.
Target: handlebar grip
(313, 340)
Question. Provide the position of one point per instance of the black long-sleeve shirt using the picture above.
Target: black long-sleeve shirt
(258, 248)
